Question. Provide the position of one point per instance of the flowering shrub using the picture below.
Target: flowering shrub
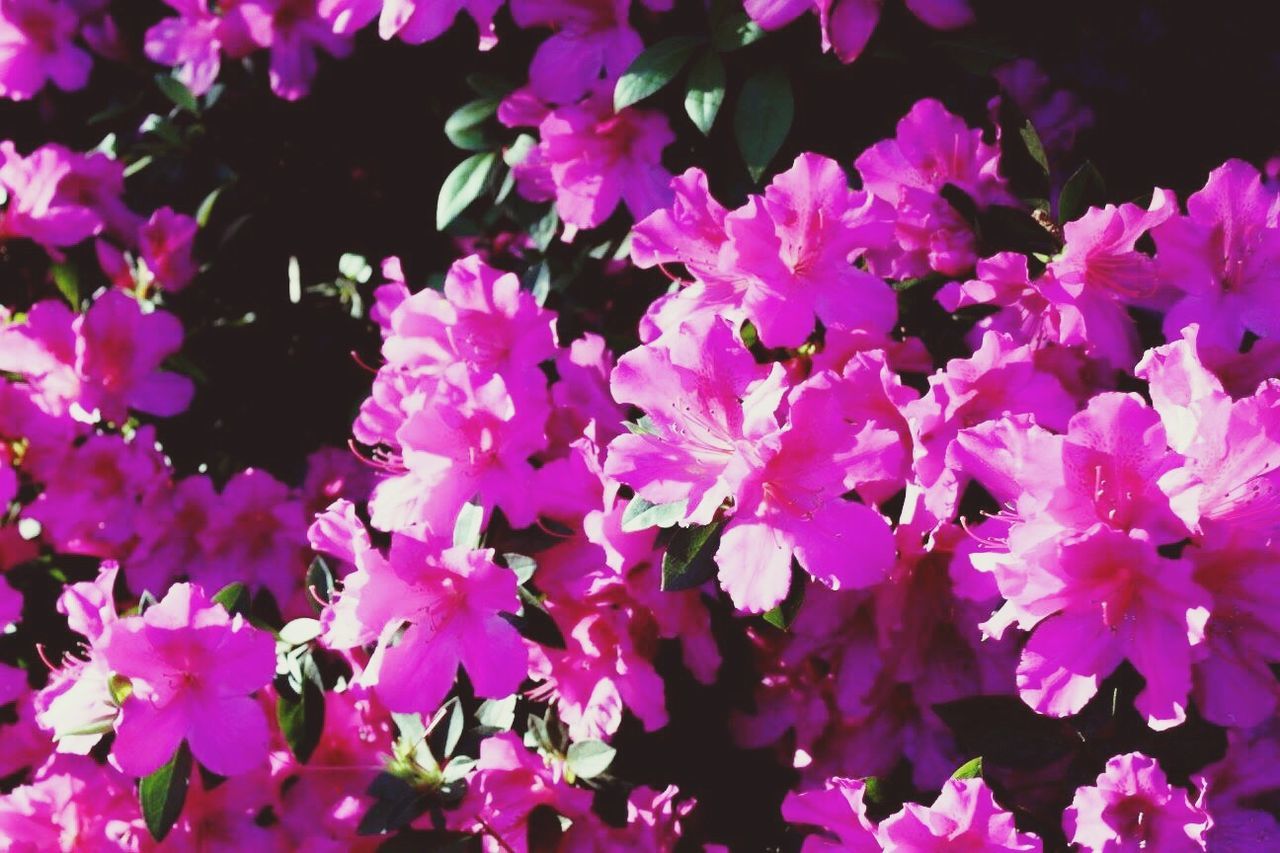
(704, 472)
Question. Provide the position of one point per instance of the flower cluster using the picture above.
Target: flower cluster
(945, 491)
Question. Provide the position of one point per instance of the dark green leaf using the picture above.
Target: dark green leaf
(785, 613)
(234, 597)
(735, 30)
(762, 119)
(963, 204)
(466, 127)
(67, 279)
(396, 805)
(301, 718)
(589, 758)
(653, 69)
(688, 561)
(1034, 146)
(489, 85)
(162, 794)
(535, 623)
(705, 94)
(1083, 190)
(176, 91)
(971, 769)
(641, 515)
(463, 186)
(320, 582)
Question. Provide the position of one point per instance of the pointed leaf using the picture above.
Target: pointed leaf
(1034, 146)
(688, 561)
(466, 530)
(653, 69)
(234, 597)
(971, 769)
(466, 127)
(162, 794)
(641, 515)
(301, 718)
(705, 94)
(1085, 188)
(763, 118)
(589, 758)
(463, 186)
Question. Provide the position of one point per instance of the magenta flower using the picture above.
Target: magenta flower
(412, 21)
(37, 208)
(592, 39)
(848, 26)
(190, 42)
(932, 148)
(1223, 256)
(965, 816)
(192, 669)
(467, 439)
(36, 46)
(429, 609)
(839, 810)
(793, 247)
(164, 245)
(1133, 807)
(293, 30)
(73, 803)
(589, 159)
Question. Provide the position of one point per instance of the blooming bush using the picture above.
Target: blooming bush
(752, 449)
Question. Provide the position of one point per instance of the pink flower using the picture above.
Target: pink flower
(430, 609)
(472, 435)
(509, 782)
(164, 244)
(256, 535)
(413, 21)
(932, 148)
(104, 362)
(1092, 601)
(848, 26)
(74, 804)
(192, 668)
(1222, 256)
(171, 523)
(592, 39)
(37, 208)
(838, 809)
(793, 246)
(191, 42)
(965, 815)
(1133, 807)
(590, 158)
(293, 30)
(482, 319)
(36, 47)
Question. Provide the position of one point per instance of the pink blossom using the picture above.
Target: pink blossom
(508, 783)
(192, 668)
(430, 609)
(467, 438)
(413, 21)
(1222, 257)
(592, 39)
(190, 42)
(74, 805)
(256, 535)
(227, 817)
(37, 207)
(293, 30)
(932, 148)
(964, 815)
(173, 518)
(36, 46)
(838, 809)
(164, 244)
(590, 158)
(653, 823)
(1234, 790)
(1133, 807)
(848, 26)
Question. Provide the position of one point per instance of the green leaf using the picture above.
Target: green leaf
(396, 804)
(466, 127)
(458, 767)
(589, 758)
(544, 230)
(463, 186)
(969, 770)
(234, 597)
(642, 426)
(705, 93)
(653, 69)
(457, 719)
(1082, 190)
(641, 515)
(176, 91)
(784, 614)
(205, 210)
(1034, 146)
(763, 118)
(320, 582)
(301, 718)
(687, 562)
(497, 714)
(67, 279)
(523, 566)
(489, 85)
(162, 794)
(535, 623)
(466, 530)
(735, 30)
(300, 631)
